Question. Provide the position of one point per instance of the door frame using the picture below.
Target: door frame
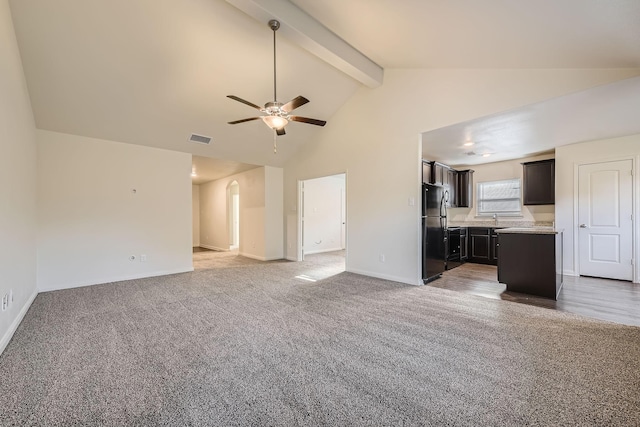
(300, 214)
(635, 211)
(230, 214)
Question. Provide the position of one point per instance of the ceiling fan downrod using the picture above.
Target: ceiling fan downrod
(274, 25)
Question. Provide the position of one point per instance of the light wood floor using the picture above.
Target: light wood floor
(612, 300)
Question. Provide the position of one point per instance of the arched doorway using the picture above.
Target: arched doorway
(233, 214)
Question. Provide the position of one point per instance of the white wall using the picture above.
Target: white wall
(260, 213)
(375, 138)
(497, 171)
(568, 158)
(17, 183)
(323, 214)
(91, 222)
(195, 215)
(274, 212)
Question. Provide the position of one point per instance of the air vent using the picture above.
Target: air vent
(200, 139)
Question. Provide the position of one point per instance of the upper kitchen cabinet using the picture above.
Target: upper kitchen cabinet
(437, 173)
(427, 172)
(539, 182)
(464, 188)
(449, 181)
(440, 174)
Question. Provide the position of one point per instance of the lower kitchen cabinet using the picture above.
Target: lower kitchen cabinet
(531, 262)
(464, 253)
(483, 245)
(494, 246)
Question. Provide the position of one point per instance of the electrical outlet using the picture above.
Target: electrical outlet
(5, 302)
(143, 258)
(10, 297)
(382, 258)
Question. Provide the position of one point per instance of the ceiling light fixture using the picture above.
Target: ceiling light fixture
(193, 172)
(486, 154)
(468, 144)
(275, 122)
(278, 115)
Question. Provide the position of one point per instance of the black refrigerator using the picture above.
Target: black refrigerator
(434, 226)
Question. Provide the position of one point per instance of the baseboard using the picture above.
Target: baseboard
(259, 258)
(405, 280)
(114, 279)
(571, 273)
(16, 322)
(214, 248)
(321, 251)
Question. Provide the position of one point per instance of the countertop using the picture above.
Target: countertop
(501, 223)
(530, 230)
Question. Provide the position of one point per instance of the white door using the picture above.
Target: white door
(343, 218)
(605, 232)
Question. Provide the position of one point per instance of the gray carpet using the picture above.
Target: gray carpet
(259, 346)
(222, 259)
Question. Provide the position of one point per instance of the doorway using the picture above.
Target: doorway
(233, 214)
(605, 230)
(322, 223)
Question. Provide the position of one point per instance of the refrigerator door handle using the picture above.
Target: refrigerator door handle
(443, 203)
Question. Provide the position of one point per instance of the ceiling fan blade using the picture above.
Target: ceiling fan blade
(250, 104)
(235, 122)
(308, 120)
(294, 103)
(280, 131)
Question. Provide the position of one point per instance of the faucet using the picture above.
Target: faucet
(495, 218)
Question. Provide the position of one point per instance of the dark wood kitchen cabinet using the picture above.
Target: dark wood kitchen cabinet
(479, 243)
(531, 262)
(464, 188)
(437, 173)
(443, 175)
(483, 245)
(459, 184)
(539, 182)
(464, 238)
(426, 172)
(451, 183)
(494, 247)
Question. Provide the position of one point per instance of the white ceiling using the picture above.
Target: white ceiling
(209, 169)
(606, 111)
(487, 33)
(152, 72)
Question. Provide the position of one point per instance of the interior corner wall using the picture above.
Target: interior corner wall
(375, 138)
(17, 184)
(568, 158)
(274, 213)
(104, 204)
(195, 215)
(496, 171)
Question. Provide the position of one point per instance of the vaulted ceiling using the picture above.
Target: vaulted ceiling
(152, 72)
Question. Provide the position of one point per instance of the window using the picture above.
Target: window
(499, 197)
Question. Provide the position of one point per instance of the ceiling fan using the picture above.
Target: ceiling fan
(277, 115)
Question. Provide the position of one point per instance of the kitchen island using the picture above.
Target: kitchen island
(531, 260)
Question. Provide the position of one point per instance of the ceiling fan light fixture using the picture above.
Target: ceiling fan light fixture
(278, 115)
(275, 122)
